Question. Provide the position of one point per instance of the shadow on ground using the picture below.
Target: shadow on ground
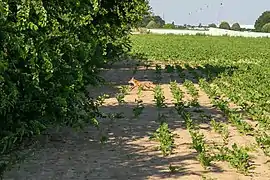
(128, 152)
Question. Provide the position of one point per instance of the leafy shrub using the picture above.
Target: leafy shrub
(266, 28)
(263, 19)
(50, 50)
(224, 25)
(213, 25)
(152, 25)
(236, 27)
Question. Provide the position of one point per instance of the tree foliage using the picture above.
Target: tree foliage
(266, 28)
(148, 18)
(263, 19)
(152, 24)
(212, 25)
(169, 26)
(236, 27)
(50, 50)
(224, 25)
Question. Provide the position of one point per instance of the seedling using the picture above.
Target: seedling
(101, 99)
(158, 72)
(139, 93)
(237, 157)
(175, 169)
(176, 92)
(220, 128)
(164, 135)
(124, 89)
(120, 98)
(193, 92)
(138, 109)
(263, 140)
(103, 139)
(169, 68)
(159, 97)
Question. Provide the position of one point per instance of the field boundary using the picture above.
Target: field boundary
(210, 31)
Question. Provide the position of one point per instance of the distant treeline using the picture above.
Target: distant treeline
(262, 24)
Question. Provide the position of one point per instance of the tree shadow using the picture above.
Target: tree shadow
(120, 73)
(128, 153)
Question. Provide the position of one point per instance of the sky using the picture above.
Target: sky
(193, 12)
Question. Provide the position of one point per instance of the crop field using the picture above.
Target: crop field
(207, 118)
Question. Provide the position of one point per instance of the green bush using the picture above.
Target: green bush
(236, 27)
(266, 28)
(224, 25)
(212, 25)
(263, 19)
(169, 26)
(50, 50)
(152, 25)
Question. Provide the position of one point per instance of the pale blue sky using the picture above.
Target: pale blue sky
(244, 12)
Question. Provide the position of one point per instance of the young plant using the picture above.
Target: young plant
(120, 98)
(101, 99)
(158, 71)
(159, 97)
(198, 143)
(175, 169)
(237, 157)
(220, 128)
(123, 91)
(263, 140)
(139, 93)
(180, 71)
(169, 68)
(114, 116)
(176, 92)
(192, 91)
(242, 126)
(164, 135)
(138, 109)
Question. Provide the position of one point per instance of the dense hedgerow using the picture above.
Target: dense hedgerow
(49, 51)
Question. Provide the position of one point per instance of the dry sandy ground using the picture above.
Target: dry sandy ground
(128, 153)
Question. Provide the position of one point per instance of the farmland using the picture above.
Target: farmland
(207, 118)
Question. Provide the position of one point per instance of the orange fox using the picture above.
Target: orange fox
(144, 85)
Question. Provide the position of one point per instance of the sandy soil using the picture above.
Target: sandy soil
(128, 153)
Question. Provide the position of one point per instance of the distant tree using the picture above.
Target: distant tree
(266, 28)
(200, 25)
(146, 20)
(236, 27)
(224, 25)
(212, 25)
(180, 27)
(152, 25)
(169, 26)
(263, 19)
(159, 20)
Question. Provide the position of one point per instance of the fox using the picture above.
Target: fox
(144, 85)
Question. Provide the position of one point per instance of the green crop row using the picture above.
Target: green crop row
(240, 66)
